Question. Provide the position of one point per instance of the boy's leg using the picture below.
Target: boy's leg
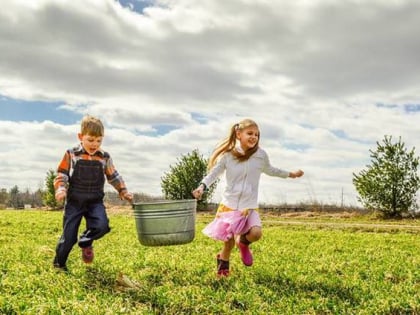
(71, 222)
(97, 225)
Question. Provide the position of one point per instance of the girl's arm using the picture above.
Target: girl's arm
(295, 174)
(211, 177)
(273, 171)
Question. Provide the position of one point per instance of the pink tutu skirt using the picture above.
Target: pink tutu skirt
(230, 222)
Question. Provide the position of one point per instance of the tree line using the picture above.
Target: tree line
(14, 198)
(41, 198)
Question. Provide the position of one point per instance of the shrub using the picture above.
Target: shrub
(179, 182)
(391, 182)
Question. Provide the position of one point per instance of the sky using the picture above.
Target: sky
(325, 81)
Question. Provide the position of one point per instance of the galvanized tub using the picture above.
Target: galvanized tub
(168, 222)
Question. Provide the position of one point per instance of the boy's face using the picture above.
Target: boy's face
(90, 143)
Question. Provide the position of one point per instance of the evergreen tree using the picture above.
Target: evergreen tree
(14, 200)
(49, 194)
(185, 176)
(391, 182)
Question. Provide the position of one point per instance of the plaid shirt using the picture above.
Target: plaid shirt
(65, 168)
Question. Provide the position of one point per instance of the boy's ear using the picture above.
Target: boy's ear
(80, 136)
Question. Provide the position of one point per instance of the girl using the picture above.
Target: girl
(237, 220)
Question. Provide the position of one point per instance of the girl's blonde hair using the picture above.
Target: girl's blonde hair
(228, 144)
(91, 126)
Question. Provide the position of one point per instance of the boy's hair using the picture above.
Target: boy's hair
(92, 126)
(228, 144)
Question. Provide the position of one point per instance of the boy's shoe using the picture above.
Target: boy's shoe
(246, 255)
(87, 254)
(222, 267)
(60, 268)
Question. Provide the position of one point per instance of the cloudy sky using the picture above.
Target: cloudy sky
(325, 80)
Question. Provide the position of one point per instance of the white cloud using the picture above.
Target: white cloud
(311, 73)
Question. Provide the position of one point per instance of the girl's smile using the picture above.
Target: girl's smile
(248, 137)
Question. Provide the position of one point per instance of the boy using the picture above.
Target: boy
(80, 181)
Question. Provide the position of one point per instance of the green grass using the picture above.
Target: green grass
(298, 269)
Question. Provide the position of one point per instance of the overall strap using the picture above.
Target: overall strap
(74, 158)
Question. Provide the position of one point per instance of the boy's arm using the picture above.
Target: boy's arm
(62, 179)
(116, 180)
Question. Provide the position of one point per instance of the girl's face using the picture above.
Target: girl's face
(90, 143)
(248, 137)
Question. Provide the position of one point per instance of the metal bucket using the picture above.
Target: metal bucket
(169, 222)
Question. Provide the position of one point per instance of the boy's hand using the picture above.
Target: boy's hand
(127, 196)
(295, 174)
(60, 195)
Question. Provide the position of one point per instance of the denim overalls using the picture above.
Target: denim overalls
(84, 199)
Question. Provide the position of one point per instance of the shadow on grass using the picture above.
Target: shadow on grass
(133, 293)
(152, 294)
(98, 278)
(292, 287)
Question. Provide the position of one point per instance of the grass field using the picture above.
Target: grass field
(311, 265)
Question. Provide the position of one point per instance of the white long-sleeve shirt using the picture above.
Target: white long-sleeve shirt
(242, 178)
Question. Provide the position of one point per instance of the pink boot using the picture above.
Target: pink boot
(222, 267)
(246, 254)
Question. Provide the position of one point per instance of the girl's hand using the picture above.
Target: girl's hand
(295, 174)
(198, 193)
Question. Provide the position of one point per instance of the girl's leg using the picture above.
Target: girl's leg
(253, 235)
(222, 258)
(253, 228)
(243, 241)
(227, 249)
